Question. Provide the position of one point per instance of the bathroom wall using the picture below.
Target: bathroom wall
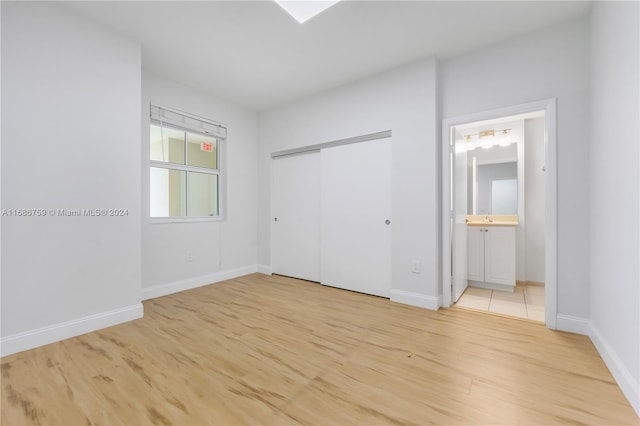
(534, 200)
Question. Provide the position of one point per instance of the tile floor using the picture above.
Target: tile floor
(525, 302)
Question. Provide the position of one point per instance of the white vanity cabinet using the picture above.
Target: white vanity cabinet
(491, 257)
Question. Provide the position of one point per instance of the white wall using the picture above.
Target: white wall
(546, 64)
(534, 200)
(402, 100)
(614, 186)
(218, 250)
(71, 132)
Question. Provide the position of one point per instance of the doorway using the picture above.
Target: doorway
(486, 184)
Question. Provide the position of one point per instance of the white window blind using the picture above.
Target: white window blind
(187, 121)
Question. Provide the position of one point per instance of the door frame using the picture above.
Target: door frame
(549, 106)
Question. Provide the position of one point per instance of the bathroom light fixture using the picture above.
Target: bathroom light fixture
(505, 139)
(303, 10)
(470, 145)
(488, 139)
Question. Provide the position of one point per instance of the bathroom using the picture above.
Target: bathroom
(499, 183)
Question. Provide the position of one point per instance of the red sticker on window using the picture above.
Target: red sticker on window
(206, 147)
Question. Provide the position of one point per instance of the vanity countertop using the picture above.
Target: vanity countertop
(494, 220)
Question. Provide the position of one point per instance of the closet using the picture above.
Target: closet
(331, 216)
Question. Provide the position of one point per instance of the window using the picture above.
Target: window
(185, 169)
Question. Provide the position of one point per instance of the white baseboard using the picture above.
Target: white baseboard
(182, 285)
(54, 333)
(572, 324)
(629, 386)
(492, 286)
(415, 299)
(264, 269)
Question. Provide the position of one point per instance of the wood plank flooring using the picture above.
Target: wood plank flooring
(269, 350)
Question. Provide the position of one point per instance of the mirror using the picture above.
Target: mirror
(493, 180)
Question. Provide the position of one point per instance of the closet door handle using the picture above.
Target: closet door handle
(387, 222)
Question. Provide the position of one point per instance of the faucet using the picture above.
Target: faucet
(486, 218)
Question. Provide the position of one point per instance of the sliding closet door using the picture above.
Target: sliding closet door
(295, 221)
(356, 217)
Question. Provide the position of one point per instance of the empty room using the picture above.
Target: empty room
(320, 212)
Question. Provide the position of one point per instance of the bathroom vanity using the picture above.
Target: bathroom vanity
(491, 252)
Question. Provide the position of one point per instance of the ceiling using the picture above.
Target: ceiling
(252, 53)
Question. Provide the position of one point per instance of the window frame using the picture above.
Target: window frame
(219, 171)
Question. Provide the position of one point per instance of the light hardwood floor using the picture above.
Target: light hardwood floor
(272, 350)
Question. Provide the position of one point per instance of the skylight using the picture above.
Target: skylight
(303, 10)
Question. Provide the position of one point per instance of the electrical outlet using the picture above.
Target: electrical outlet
(415, 266)
(189, 257)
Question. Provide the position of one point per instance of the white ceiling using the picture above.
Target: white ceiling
(254, 54)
